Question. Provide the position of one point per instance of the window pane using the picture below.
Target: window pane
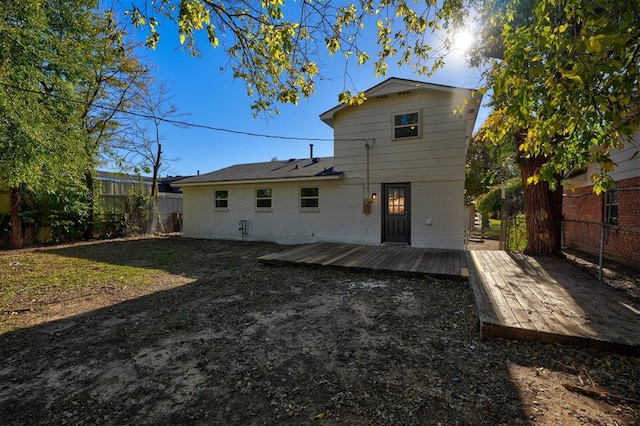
(395, 200)
(611, 208)
(405, 119)
(263, 193)
(406, 125)
(309, 202)
(308, 192)
(263, 202)
(222, 194)
(405, 132)
(222, 203)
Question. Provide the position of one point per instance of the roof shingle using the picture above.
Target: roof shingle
(288, 169)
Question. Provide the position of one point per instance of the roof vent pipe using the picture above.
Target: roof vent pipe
(310, 150)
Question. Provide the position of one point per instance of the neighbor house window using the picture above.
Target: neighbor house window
(406, 125)
(263, 198)
(309, 197)
(611, 208)
(221, 199)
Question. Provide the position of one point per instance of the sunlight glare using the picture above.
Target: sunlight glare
(463, 40)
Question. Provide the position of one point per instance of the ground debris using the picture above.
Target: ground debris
(597, 393)
(218, 338)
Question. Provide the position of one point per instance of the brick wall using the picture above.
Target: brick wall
(584, 212)
(437, 214)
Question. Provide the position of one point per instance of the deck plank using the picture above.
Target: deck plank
(565, 304)
(516, 296)
(484, 307)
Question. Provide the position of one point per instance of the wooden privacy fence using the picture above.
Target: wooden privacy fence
(123, 214)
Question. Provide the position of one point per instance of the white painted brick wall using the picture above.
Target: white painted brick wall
(441, 202)
(338, 219)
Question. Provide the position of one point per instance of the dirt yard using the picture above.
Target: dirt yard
(213, 337)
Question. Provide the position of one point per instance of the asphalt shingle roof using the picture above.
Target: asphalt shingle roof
(287, 169)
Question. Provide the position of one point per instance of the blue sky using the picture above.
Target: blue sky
(212, 97)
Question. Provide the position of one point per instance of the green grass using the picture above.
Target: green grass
(30, 278)
(494, 224)
(166, 257)
(518, 234)
(517, 238)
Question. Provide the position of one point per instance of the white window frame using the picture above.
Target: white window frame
(258, 198)
(309, 197)
(215, 200)
(394, 127)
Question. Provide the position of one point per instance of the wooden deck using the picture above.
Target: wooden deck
(391, 258)
(517, 297)
(550, 300)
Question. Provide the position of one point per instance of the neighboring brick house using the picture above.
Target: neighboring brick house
(618, 211)
(397, 176)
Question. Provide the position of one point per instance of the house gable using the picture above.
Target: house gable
(366, 141)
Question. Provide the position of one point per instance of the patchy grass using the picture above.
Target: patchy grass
(31, 279)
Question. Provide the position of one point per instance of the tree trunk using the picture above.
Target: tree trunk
(16, 240)
(543, 211)
(91, 213)
(156, 223)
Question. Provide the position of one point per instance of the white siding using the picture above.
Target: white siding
(627, 165)
(438, 153)
(432, 163)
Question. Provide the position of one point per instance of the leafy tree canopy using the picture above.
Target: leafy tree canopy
(566, 81)
(274, 47)
(487, 165)
(492, 201)
(42, 52)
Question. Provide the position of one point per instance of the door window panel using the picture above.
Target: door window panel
(395, 201)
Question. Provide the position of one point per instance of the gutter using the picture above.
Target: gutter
(246, 181)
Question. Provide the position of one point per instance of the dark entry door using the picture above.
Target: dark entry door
(396, 218)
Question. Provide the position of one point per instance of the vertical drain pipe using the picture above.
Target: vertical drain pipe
(366, 144)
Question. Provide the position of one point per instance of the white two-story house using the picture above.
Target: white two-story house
(397, 176)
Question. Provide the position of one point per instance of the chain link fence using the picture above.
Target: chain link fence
(599, 233)
(606, 227)
(613, 248)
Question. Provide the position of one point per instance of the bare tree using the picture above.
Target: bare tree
(139, 146)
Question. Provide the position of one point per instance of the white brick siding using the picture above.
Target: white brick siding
(339, 217)
(439, 202)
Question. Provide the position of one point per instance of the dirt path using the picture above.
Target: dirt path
(230, 341)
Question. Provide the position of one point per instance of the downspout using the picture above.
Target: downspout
(366, 144)
(367, 147)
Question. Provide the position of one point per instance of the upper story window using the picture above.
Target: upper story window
(221, 199)
(611, 208)
(309, 197)
(263, 198)
(406, 125)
